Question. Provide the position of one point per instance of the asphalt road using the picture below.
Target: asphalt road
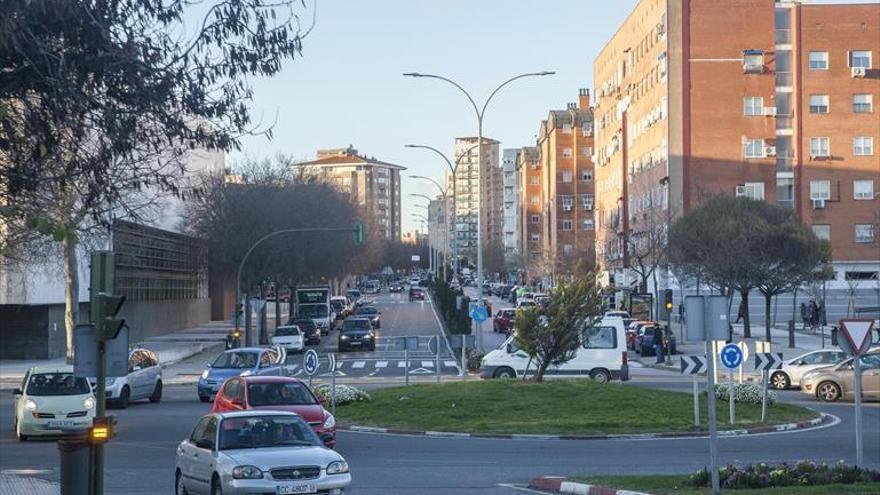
(140, 460)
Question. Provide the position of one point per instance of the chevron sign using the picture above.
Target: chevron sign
(768, 361)
(691, 365)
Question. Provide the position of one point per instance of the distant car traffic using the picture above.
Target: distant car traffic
(645, 340)
(353, 295)
(503, 322)
(277, 393)
(632, 332)
(290, 338)
(372, 313)
(143, 380)
(339, 305)
(309, 329)
(395, 287)
(237, 362)
(266, 452)
(52, 402)
(835, 382)
(793, 369)
(416, 294)
(356, 333)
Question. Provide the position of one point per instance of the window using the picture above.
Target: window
(535, 200)
(533, 180)
(754, 148)
(587, 224)
(566, 128)
(586, 176)
(863, 189)
(566, 152)
(860, 58)
(535, 218)
(822, 231)
(587, 201)
(863, 146)
(753, 61)
(587, 151)
(818, 103)
(535, 237)
(818, 60)
(753, 105)
(820, 189)
(567, 225)
(567, 248)
(863, 103)
(751, 190)
(820, 147)
(599, 338)
(567, 202)
(864, 233)
(566, 176)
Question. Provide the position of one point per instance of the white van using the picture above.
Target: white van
(601, 357)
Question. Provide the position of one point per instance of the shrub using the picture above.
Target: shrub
(345, 394)
(804, 473)
(744, 393)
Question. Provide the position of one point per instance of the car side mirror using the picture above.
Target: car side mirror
(509, 349)
(208, 365)
(17, 392)
(204, 443)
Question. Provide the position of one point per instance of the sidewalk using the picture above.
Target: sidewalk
(26, 485)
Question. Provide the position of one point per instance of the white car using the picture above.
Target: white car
(617, 313)
(51, 401)
(245, 452)
(289, 337)
(143, 381)
(793, 370)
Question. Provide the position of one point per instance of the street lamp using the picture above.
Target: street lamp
(480, 113)
(446, 241)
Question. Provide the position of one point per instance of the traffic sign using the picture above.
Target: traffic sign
(332, 359)
(434, 344)
(281, 352)
(310, 362)
(768, 361)
(691, 365)
(479, 314)
(406, 343)
(858, 335)
(731, 356)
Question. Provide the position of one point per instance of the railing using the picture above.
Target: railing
(783, 79)
(783, 36)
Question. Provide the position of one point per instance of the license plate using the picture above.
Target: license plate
(289, 489)
(355, 343)
(57, 425)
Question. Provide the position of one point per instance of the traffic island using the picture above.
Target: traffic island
(566, 409)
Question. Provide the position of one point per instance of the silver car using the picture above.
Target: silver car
(248, 452)
(835, 382)
(793, 369)
(143, 381)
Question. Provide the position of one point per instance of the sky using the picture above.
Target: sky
(348, 88)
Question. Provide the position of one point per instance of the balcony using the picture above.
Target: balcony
(783, 37)
(783, 79)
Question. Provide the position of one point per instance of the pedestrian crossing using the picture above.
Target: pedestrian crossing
(375, 367)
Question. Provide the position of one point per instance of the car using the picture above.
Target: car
(308, 328)
(792, 370)
(358, 333)
(618, 313)
(52, 401)
(236, 362)
(290, 337)
(257, 451)
(372, 313)
(645, 340)
(416, 293)
(632, 331)
(143, 380)
(503, 321)
(542, 300)
(276, 393)
(424, 282)
(340, 306)
(835, 382)
(353, 295)
(395, 287)
(525, 303)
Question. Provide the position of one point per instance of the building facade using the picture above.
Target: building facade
(373, 185)
(478, 186)
(510, 199)
(773, 100)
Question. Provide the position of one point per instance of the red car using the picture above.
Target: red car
(503, 321)
(276, 393)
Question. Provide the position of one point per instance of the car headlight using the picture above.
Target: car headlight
(89, 403)
(337, 467)
(204, 374)
(330, 422)
(343, 337)
(247, 473)
(108, 382)
(30, 405)
(369, 336)
(246, 373)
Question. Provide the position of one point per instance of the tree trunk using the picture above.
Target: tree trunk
(71, 292)
(747, 329)
(539, 373)
(768, 300)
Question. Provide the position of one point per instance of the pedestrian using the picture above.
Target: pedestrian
(681, 313)
(659, 343)
(814, 313)
(742, 311)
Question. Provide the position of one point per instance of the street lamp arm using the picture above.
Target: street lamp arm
(441, 188)
(435, 150)
(505, 83)
(425, 196)
(450, 81)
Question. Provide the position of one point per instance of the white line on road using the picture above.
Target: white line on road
(381, 364)
(359, 364)
(453, 364)
(430, 364)
(401, 364)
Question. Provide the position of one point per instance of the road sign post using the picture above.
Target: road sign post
(857, 340)
(461, 371)
(311, 364)
(692, 365)
(434, 346)
(766, 361)
(731, 357)
(332, 358)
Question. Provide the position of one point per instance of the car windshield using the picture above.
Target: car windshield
(236, 360)
(367, 311)
(255, 432)
(356, 324)
(279, 394)
(303, 323)
(286, 331)
(57, 384)
(313, 311)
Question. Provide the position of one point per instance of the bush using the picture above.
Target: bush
(345, 394)
(804, 473)
(474, 359)
(744, 393)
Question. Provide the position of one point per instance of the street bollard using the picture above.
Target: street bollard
(834, 331)
(791, 334)
(76, 466)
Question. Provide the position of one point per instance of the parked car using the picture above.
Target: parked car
(416, 293)
(632, 332)
(503, 321)
(372, 313)
(143, 381)
(237, 362)
(645, 340)
(308, 328)
(290, 337)
(51, 401)
(525, 303)
(834, 382)
(793, 369)
(276, 393)
(257, 452)
(542, 299)
(357, 332)
(618, 313)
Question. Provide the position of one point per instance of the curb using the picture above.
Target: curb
(786, 427)
(560, 485)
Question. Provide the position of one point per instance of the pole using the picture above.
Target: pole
(860, 461)
(713, 427)
(100, 411)
(406, 363)
(765, 378)
(461, 371)
(696, 402)
(732, 397)
(478, 342)
(103, 280)
(437, 359)
(333, 389)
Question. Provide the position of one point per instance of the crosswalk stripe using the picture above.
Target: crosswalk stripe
(359, 364)
(427, 364)
(401, 364)
(381, 364)
(449, 364)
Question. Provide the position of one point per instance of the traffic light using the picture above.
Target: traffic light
(107, 326)
(103, 429)
(359, 234)
(667, 299)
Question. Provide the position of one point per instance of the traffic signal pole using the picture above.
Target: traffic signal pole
(102, 283)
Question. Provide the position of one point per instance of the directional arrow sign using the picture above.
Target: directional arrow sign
(768, 361)
(858, 334)
(332, 359)
(692, 365)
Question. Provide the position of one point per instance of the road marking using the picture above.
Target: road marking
(359, 364)
(520, 488)
(420, 371)
(427, 364)
(381, 364)
(401, 364)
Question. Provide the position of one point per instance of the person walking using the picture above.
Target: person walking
(659, 343)
(742, 311)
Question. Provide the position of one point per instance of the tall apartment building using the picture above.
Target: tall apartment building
(510, 199)
(478, 187)
(374, 185)
(559, 229)
(531, 206)
(773, 100)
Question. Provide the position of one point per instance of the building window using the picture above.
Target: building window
(533, 180)
(535, 218)
(864, 233)
(567, 202)
(566, 176)
(863, 146)
(567, 225)
(863, 189)
(818, 60)
(863, 103)
(822, 231)
(587, 224)
(566, 128)
(860, 58)
(535, 200)
(818, 103)
(587, 201)
(586, 176)
(753, 105)
(587, 151)
(566, 152)
(820, 147)
(785, 192)
(754, 148)
(751, 190)
(820, 189)
(753, 61)
(567, 248)
(535, 237)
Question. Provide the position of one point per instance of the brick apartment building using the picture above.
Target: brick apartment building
(773, 100)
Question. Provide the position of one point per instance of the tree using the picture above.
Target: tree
(493, 257)
(646, 242)
(551, 335)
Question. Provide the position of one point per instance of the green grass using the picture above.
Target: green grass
(675, 485)
(559, 407)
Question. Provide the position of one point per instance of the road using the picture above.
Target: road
(141, 459)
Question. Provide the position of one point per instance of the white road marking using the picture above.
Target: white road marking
(453, 364)
(401, 364)
(430, 364)
(359, 364)
(421, 371)
(381, 364)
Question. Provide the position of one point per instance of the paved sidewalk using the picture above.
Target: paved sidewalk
(14, 484)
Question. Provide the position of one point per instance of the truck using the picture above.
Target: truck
(313, 301)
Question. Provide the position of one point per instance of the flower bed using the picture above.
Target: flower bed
(744, 392)
(804, 473)
(345, 394)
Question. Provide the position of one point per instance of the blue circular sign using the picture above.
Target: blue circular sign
(310, 362)
(731, 356)
(479, 314)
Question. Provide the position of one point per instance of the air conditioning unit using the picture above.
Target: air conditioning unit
(769, 111)
(859, 71)
(740, 191)
(818, 204)
(770, 151)
(588, 206)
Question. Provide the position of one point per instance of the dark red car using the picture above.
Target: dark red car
(416, 293)
(503, 321)
(276, 393)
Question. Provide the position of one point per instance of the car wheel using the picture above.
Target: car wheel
(157, 393)
(600, 376)
(179, 488)
(124, 398)
(216, 488)
(828, 391)
(505, 373)
(780, 380)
